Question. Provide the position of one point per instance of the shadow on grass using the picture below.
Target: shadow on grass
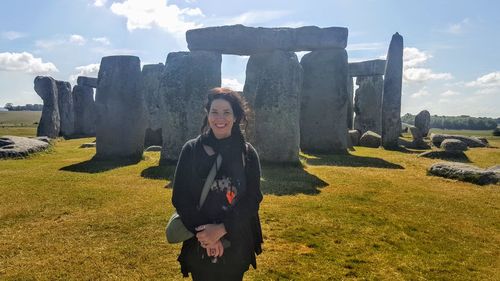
(94, 166)
(289, 180)
(159, 172)
(348, 160)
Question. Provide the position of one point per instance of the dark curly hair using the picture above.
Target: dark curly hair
(238, 104)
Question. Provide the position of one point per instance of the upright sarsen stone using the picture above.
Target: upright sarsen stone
(423, 122)
(49, 124)
(272, 89)
(151, 75)
(83, 102)
(184, 87)
(66, 108)
(120, 109)
(368, 104)
(391, 97)
(324, 101)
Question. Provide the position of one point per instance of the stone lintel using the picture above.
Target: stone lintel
(367, 68)
(87, 81)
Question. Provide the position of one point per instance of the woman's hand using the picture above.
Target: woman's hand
(216, 250)
(209, 234)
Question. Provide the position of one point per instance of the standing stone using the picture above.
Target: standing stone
(186, 80)
(66, 109)
(87, 81)
(323, 115)
(350, 103)
(120, 108)
(423, 122)
(368, 104)
(391, 97)
(49, 124)
(151, 75)
(272, 88)
(83, 102)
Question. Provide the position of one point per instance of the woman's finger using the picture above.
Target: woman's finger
(221, 248)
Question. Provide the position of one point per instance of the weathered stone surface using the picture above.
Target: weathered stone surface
(272, 89)
(437, 139)
(368, 104)
(184, 86)
(244, 40)
(367, 68)
(16, 147)
(350, 103)
(445, 155)
(495, 169)
(463, 172)
(391, 97)
(66, 108)
(120, 108)
(50, 122)
(151, 75)
(84, 106)
(354, 135)
(88, 145)
(323, 115)
(153, 148)
(370, 139)
(453, 145)
(423, 122)
(87, 81)
(44, 139)
(418, 137)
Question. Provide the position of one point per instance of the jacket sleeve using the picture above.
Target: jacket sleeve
(247, 207)
(182, 195)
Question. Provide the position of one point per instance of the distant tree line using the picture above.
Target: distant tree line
(462, 122)
(28, 107)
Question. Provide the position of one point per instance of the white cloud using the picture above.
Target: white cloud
(449, 93)
(102, 40)
(234, 84)
(99, 3)
(458, 28)
(489, 80)
(90, 70)
(413, 57)
(13, 35)
(256, 17)
(77, 39)
(146, 14)
(420, 93)
(25, 62)
(424, 74)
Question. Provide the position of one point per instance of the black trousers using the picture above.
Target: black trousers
(217, 276)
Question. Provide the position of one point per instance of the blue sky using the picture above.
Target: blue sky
(452, 48)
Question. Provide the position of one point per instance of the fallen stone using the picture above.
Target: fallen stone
(153, 148)
(244, 40)
(87, 81)
(437, 139)
(463, 172)
(44, 139)
(18, 147)
(423, 122)
(367, 68)
(370, 139)
(444, 155)
(391, 97)
(88, 145)
(453, 145)
(354, 135)
(50, 122)
(495, 169)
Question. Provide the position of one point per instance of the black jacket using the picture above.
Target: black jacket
(241, 221)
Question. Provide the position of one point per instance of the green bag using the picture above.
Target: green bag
(176, 231)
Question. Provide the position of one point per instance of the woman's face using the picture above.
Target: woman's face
(221, 118)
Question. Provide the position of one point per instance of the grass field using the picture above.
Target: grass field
(369, 215)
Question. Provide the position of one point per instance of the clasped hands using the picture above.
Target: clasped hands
(209, 236)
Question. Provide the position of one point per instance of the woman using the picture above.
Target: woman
(227, 227)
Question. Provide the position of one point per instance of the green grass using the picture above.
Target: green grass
(478, 133)
(19, 123)
(370, 215)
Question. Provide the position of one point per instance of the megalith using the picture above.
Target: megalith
(66, 108)
(423, 122)
(151, 75)
(50, 123)
(184, 86)
(368, 104)
(391, 97)
(87, 81)
(272, 89)
(324, 101)
(120, 109)
(84, 106)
